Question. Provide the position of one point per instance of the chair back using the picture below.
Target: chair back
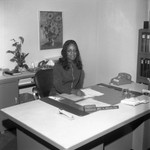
(44, 82)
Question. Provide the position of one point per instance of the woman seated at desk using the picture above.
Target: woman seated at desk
(68, 74)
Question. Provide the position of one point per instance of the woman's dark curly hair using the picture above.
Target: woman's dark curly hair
(64, 60)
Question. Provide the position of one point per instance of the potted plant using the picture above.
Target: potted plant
(19, 56)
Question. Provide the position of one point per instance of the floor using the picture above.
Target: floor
(8, 140)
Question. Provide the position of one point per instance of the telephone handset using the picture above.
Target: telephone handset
(122, 78)
(42, 63)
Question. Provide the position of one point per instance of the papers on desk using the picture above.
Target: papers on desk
(91, 93)
(88, 93)
(26, 81)
(133, 101)
(56, 98)
(91, 101)
(71, 97)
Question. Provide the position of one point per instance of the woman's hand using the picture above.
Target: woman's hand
(77, 92)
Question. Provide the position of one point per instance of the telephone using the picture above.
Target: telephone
(42, 64)
(46, 64)
(122, 78)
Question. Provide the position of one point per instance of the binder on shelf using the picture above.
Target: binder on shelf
(148, 64)
(148, 43)
(143, 49)
(142, 66)
(146, 67)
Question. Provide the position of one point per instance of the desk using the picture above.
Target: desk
(43, 126)
(23, 75)
(9, 91)
(137, 87)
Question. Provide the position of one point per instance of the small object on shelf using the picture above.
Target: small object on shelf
(13, 73)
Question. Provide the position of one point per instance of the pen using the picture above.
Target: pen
(63, 112)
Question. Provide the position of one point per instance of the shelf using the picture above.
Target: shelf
(143, 59)
(26, 83)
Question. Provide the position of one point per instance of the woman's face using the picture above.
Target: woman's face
(71, 52)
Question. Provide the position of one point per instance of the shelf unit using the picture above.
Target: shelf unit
(143, 60)
(9, 95)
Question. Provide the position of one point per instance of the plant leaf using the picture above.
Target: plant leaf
(22, 39)
(13, 40)
(9, 51)
(13, 60)
(15, 44)
(18, 48)
(26, 55)
(19, 56)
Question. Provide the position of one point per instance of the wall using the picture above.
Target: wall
(119, 23)
(106, 32)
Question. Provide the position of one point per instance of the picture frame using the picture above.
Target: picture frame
(50, 30)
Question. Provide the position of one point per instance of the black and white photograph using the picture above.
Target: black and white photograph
(74, 74)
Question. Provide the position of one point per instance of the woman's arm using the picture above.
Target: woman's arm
(81, 81)
(79, 85)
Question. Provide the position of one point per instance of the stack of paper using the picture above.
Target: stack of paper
(135, 100)
(91, 93)
(91, 101)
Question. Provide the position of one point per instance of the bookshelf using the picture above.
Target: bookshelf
(143, 60)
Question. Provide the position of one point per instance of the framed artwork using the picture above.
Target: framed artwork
(51, 30)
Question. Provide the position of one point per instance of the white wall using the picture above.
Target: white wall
(105, 30)
(119, 23)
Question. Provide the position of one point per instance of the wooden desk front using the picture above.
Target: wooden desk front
(44, 121)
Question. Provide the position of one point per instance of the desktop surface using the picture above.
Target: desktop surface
(45, 121)
(10, 78)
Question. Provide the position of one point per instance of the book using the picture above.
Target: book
(147, 43)
(143, 44)
(12, 73)
(142, 66)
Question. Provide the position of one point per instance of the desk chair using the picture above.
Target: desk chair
(25, 97)
(44, 81)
